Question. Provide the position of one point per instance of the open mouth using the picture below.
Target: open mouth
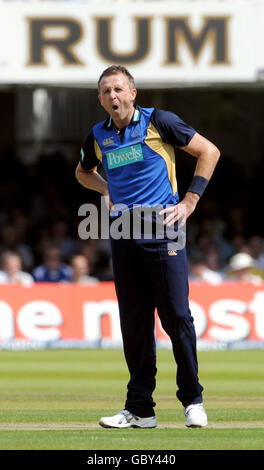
(115, 107)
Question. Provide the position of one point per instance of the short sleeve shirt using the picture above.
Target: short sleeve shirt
(139, 162)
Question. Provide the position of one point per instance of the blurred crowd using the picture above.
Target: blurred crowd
(39, 221)
(39, 239)
(215, 258)
(53, 252)
(54, 257)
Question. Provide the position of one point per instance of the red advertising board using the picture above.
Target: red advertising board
(229, 312)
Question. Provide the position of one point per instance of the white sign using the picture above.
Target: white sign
(162, 43)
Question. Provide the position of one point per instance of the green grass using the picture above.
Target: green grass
(54, 399)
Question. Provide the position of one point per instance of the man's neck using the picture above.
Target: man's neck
(120, 124)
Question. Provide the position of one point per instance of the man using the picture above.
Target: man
(136, 147)
(53, 269)
(12, 270)
(81, 270)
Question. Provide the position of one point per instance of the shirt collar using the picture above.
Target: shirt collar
(135, 119)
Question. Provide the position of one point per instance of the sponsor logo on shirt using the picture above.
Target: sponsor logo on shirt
(124, 156)
(135, 134)
(108, 141)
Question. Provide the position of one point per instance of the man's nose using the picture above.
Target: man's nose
(112, 94)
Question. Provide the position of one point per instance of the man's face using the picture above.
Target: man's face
(117, 97)
(12, 265)
(80, 265)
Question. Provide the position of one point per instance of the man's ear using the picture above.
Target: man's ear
(133, 94)
(100, 99)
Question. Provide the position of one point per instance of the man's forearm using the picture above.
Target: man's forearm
(92, 180)
(206, 162)
(207, 155)
(204, 169)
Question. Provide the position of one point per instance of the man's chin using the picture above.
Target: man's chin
(116, 112)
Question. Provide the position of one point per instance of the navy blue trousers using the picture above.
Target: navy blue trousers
(147, 277)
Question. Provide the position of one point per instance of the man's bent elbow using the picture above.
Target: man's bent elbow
(215, 153)
(77, 173)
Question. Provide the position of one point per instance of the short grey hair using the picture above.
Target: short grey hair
(114, 70)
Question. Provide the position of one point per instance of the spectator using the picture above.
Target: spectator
(239, 243)
(80, 270)
(213, 258)
(256, 247)
(62, 239)
(201, 272)
(208, 265)
(10, 242)
(12, 270)
(242, 268)
(90, 249)
(53, 269)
